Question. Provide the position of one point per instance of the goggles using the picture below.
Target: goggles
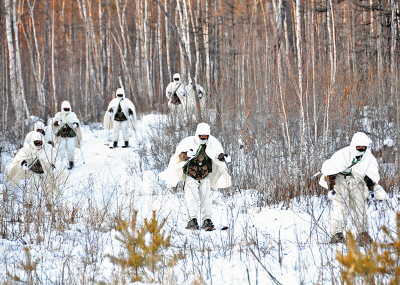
(67, 109)
(176, 79)
(38, 143)
(119, 95)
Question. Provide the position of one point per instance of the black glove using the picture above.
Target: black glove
(221, 157)
(23, 162)
(110, 110)
(130, 112)
(56, 123)
(368, 181)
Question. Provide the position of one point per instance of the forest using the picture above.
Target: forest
(287, 83)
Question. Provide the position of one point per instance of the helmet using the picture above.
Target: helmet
(177, 77)
(202, 129)
(65, 107)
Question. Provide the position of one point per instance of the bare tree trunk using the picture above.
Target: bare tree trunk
(207, 44)
(149, 75)
(332, 59)
(160, 57)
(17, 103)
(300, 85)
(53, 64)
(46, 84)
(36, 60)
(167, 41)
(16, 20)
(393, 69)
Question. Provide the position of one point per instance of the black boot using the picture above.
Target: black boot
(338, 238)
(126, 144)
(71, 165)
(193, 225)
(115, 144)
(208, 224)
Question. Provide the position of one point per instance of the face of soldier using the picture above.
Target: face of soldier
(120, 96)
(203, 139)
(38, 143)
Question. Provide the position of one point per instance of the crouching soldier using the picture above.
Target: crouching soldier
(44, 130)
(199, 160)
(38, 162)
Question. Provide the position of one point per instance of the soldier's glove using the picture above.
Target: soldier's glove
(110, 112)
(51, 143)
(56, 123)
(221, 157)
(190, 153)
(228, 158)
(60, 122)
(331, 194)
(75, 125)
(130, 117)
(25, 165)
(371, 196)
(200, 95)
(130, 112)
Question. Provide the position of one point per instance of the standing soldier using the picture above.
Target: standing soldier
(120, 115)
(175, 92)
(191, 96)
(351, 176)
(67, 129)
(199, 161)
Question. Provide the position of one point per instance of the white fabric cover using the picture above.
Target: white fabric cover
(198, 195)
(47, 156)
(66, 149)
(121, 126)
(219, 177)
(67, 118)
(126, 104)
(351, 194)
(180, 92)
(36, 126)
(202, 129)
(191, 96)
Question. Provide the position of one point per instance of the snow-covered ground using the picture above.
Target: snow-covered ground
(273, 245)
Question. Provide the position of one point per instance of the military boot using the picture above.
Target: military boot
(71, 165)
(208, 224)
(126, 144)
(193, 225)
(337, 238)
(364, 239)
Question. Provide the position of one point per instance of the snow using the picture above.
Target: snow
(107, 184)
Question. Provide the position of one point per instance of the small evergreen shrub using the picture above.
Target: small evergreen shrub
(378, 264)
(145, 246)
